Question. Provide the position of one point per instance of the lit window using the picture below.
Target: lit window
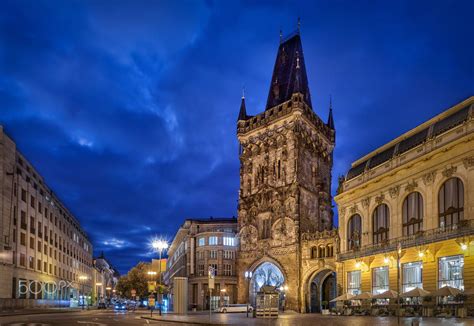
(213, 241)
(412, 214)
(229, 241)
(412, 276)
(451, 272)
(353, 282)
(201, 241)
(354, 232)
(380, 219)
(451, 202)
(380, 280)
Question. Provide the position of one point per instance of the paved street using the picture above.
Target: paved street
(100, 318)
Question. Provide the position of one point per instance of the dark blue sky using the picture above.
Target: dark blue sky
(128, 108)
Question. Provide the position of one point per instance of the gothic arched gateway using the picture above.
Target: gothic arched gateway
(321, 289)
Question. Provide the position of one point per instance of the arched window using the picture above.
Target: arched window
(451, 202)
(354, 230)
(321, 252)
(329, 251)
(381, 222)
(412, 212)
(314, 252)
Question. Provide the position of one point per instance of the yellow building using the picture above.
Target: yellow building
(415, 193)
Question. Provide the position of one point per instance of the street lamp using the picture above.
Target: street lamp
(248, 277)
(283, 290)
(82, 279)
(160, 246)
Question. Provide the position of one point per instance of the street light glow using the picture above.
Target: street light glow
(98, 284)
(151, 273)
(159, 244)
(83, 277)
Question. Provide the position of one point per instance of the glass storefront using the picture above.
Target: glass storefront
(380, 282)
(412, 276)
(353, 282)
(451, 272)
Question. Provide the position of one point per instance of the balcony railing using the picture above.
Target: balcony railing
(463, 228)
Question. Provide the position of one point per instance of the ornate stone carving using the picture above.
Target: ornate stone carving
(428, 178)
(394, 192)
(468, 162)
(366, 202)
(342, 211)
(449, 171)
(353, 209)
(379, 199)
(411, 186)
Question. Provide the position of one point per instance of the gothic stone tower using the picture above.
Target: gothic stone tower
(285, 178)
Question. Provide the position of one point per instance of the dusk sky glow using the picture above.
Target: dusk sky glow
(128, 108)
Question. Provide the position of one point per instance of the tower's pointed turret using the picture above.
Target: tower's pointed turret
(243, 110)
(289, 73)
(330, 117)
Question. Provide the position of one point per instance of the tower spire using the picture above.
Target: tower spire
(243, 109)
(330, 117)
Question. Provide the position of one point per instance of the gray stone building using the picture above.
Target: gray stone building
(45, 255)
(285, 216)
(198, 244)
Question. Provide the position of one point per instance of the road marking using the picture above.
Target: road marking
(90, 323)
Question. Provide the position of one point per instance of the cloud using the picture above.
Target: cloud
(129, 109)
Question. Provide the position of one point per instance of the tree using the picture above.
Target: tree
(136, 278)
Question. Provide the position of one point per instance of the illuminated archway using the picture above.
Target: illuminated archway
(265, 274)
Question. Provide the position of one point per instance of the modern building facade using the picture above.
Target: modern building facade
(198, 244)
(284, 213)
(45, 255)
(412, 199)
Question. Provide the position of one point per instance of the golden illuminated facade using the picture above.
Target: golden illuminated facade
(415, 193)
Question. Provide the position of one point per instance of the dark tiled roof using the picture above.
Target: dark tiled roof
(451, 121)
(414, 140)
(356, 170)
(214, 220)
(381, 157)
(243, 110)
(286, 78)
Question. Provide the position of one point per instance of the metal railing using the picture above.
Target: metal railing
(461, 229)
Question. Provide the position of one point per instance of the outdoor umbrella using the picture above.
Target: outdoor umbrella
(389, 294)
(363, 296)
(446, 291)
(344, 297)
(416, 292)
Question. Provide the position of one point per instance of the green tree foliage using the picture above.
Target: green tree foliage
(137, 279)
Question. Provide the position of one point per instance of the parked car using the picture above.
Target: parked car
(234, 308)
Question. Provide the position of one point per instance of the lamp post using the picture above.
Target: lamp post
(248, 277)
(160, 246)
(399, 252)
(82, 279)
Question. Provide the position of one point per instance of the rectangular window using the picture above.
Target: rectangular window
(45, 267)
(39, 265)
(31, 262)
(22, 260)
(23, 195)
(353, 282)
(412, 276)
(229, 241)
(213, 241)
(201, 269)
(451, 272)
(32, 243)
(266, 229)
(23, 239)
(213, 254)
(227, 269)
(214, 266)
(380, 280)
(201, 241)
(23, 220)
(32, 201)
(228, 254)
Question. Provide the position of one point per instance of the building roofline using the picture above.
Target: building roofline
(438, 117)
